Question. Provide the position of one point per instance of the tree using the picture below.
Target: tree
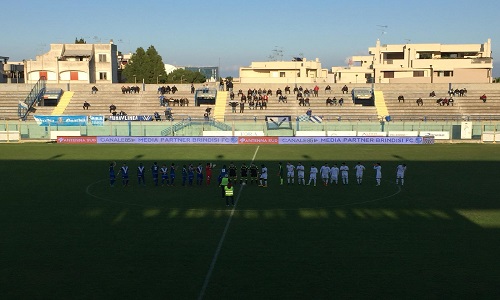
(145, 65)
(80, 41)
(185, 76)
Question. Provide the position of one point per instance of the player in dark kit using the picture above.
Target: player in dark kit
(184, 175)
(140, 175)
(243, 173)
(199, 174)
(154, 171)
(172, 173)
(254, 170)
(280, 172)
(124, 172)
(112, 177)
(190, 174)
(164, 175)
(232, 173)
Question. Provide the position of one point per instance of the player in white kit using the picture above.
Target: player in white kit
(344, 172)
(263, 176)
(334, 174)
(290, 173)
(378, 173)
(359, 172)
(301, 174)
(400, 173)
(325, 172)
(312, 175)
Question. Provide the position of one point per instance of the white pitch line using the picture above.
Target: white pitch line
(223, 237)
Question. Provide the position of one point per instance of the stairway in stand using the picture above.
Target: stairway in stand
(63, 103)
(220, 106)
(380, 104)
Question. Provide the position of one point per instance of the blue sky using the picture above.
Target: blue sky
(235, 33)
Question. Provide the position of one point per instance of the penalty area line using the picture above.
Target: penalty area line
(221, 241)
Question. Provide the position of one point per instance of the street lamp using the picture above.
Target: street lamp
(182, 77)
(157, 78)
(135, 79)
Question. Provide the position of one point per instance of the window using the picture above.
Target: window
(424, 55)
(445, 74)
(73, 75)
(102, 57)
(389, 74)
(395, 55)
(282, 74)
(418, 73)
(103, 76)
(449, 55)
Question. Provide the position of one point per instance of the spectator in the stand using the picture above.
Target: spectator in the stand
(341, 101)
(287, 90)
(206, 116)
(258, 104)
(328, 89)
(483, 97)
(112, 108)
(157, 116)
(94, 90)
(174, 89)
(86, 105)
(401, 98)
(420, 102)
(432, 94)
(122, 113)
(233, 105)
(231, 95)
(242, 106)
(299, 95)
(221, 84)
(169, 114)
(229, 86)
(345, 89)
(192, 88)
(208, 110)
(309, 113)
(316, 89)
(279, 92)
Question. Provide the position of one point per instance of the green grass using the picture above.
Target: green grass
(65, 234)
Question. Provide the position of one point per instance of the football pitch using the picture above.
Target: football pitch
(66, 234)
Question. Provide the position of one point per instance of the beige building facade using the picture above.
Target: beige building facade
(75, 63)
(420, 63)
(299, 70)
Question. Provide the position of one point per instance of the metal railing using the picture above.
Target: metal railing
(33, 98)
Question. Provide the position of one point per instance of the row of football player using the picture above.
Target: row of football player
(331, 174)
(328, 174)
(167, 174)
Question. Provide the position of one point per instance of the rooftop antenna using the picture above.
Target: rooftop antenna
(278, 53)
(383, 29)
